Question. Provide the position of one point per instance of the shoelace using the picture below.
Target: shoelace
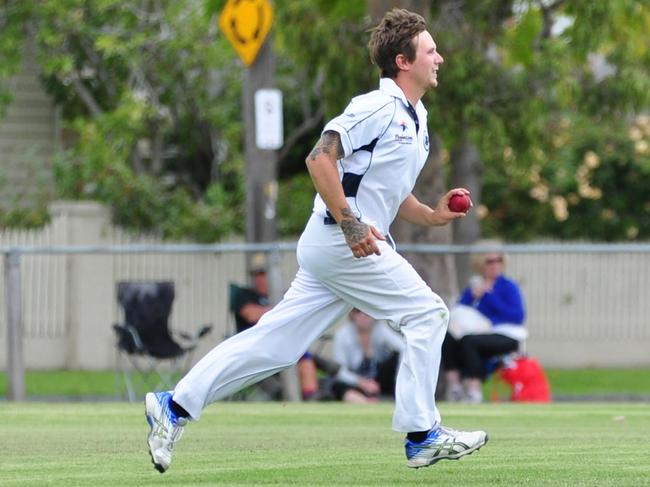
(176, 426)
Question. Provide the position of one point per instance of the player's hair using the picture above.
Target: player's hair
(394, 35)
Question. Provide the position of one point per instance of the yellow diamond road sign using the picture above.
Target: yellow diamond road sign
(246, 24)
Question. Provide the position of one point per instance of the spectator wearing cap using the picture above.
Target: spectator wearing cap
(251, 303)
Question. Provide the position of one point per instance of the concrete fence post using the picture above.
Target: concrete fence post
(15, 349)
(89, 285)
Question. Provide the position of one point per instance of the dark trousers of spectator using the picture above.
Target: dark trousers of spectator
(470, 354)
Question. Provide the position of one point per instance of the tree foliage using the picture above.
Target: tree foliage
(538, 101)
(152, 93)
(553, 94)
(538, 86)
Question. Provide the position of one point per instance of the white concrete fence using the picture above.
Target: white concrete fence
(588, 305)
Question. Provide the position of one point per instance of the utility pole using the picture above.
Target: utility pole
(247, 25)
(261, 164)
(262, 187)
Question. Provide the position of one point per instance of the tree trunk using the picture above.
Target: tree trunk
(467, 172)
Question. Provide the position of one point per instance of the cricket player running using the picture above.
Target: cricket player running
(364, 168)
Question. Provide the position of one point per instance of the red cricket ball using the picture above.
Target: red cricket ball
(459, 203)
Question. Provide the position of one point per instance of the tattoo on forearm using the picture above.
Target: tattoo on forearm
(330, 144)
(353, 229)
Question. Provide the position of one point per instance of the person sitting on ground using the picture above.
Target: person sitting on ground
(486, 322)
(249, 306)
(368, 353)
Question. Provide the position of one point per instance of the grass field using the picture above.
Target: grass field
(564, 383)
(93, 444)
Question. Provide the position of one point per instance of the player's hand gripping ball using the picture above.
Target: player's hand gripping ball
(459, 203)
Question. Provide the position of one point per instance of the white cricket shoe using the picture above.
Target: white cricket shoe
(443, 443)
(166, 428)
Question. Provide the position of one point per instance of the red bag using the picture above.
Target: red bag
(527, 379)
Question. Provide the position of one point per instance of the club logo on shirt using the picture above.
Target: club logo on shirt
(426, 141)
(403, 125)
(403, 139)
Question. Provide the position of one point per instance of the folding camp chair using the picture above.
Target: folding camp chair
(150, 355)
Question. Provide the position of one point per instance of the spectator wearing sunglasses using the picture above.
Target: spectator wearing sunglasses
(486, 322)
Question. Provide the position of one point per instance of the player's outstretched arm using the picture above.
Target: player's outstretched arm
(321, 163)
(414, 211)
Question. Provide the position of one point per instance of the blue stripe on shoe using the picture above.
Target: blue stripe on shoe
(413, 448)
(164, 399)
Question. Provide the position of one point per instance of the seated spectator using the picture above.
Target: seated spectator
(486, 322)
(368, 353)
(249, 306)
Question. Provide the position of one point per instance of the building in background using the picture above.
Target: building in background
(30, 133)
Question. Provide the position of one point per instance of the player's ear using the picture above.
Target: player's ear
(402, 62)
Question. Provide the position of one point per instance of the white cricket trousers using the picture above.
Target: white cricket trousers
(329, 282)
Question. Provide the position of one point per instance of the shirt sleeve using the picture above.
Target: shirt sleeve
(466, 298)
(362, 122)
(243, 297)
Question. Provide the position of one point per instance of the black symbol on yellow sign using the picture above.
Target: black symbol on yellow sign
(256, 32)
(246, 23)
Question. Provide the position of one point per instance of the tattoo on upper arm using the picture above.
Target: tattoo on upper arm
(332, 141)
(315, 152)
(330, 144)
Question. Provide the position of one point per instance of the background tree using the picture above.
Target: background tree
(541, 108)
(543, 86)
(519, 87)
(150, 91)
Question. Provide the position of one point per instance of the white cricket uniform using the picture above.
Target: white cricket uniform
(386, 144)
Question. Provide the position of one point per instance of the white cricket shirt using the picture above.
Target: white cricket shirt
(386, 143)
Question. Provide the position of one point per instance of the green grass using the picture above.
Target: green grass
(84, 444)
(67, 383)
(600, 381)
(71, 383)
(581, 382)
(586, 383)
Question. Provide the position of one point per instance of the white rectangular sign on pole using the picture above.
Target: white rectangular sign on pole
(268, 119)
